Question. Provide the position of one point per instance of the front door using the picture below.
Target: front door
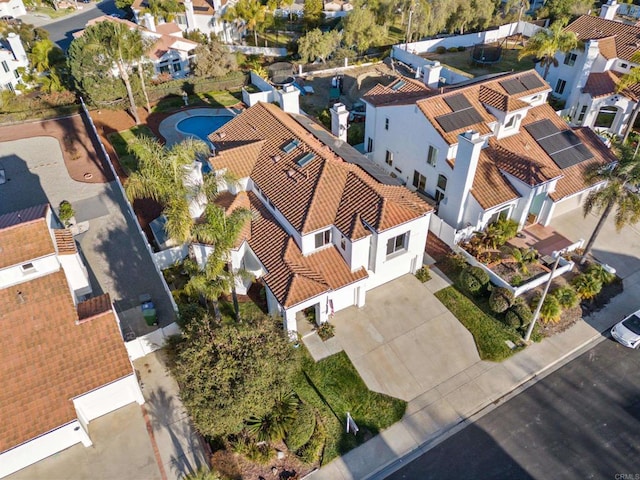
(536, 208)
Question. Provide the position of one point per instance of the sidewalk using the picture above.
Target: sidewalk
(464, 398)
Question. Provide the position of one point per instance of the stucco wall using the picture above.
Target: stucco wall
(108, 398)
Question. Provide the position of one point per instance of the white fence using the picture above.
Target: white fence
(150, 342)
(266, 93)
(266, 51)
(169, 257)
(442, 230)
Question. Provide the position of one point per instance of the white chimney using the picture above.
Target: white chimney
(15, 44)
(431, 76)
(464, 171)
(609, 10)
(217, 6)
(339, 118)
(193, 180)
(190, 16)
(149, 22)
(289, 99)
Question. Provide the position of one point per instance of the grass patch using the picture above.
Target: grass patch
(53, 14)
(462, 61)
(120, 142)
(215, 99)
(334, 387)
(488, 333)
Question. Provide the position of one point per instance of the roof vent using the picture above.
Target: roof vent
(276, 158)
(291, 146)
(305, 159)
(20, 296)
(222, 134)
(290, 173)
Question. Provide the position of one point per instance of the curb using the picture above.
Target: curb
(489, 406)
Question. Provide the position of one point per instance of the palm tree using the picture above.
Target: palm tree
(545, 43)
(630, 78)
(254, 15)
(46, 58)
(620, 178)
(164, 176)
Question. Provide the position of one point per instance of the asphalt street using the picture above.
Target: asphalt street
(582, 421)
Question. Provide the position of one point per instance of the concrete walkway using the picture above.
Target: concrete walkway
(457, 401)
(169, 126)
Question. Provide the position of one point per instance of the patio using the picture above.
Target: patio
(545, 240)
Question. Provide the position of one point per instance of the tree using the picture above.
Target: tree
(563, 10)
(630, 78)
(361, 31)
(48, 59)
(547, 42)
(615, 194)
(253, 13)
(214, 60)
(229, 373)
(164, 9)
(313, 13)
(316, 44)
(163, 175)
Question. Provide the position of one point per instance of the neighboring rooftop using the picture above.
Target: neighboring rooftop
(617, 40)
(402, 91)
(24, 236)
(603, 84)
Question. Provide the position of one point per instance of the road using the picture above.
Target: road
(60, 31)
(582, 421)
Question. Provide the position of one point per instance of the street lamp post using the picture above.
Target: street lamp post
(544, 295)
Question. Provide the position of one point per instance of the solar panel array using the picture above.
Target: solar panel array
(563, 146)
(521, 84)
(463, 114)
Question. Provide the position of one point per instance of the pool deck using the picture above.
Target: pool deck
(169, 126)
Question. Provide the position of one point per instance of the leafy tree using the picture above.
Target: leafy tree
(28, 34)
(231, 372)
(361, 30)
(316, 44)
(124, 4)
(547, 42)
(630, 78)
(615, 194)
(313, 13)
(565, 9)
(164, 9)
(214, 60)
(252, 12)
(518, 315)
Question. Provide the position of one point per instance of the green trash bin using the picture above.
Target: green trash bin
(148, 310)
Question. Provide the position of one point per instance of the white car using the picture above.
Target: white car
(627, 332)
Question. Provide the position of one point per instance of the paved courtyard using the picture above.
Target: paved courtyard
(404, 342)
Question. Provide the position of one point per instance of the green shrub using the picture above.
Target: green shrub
(551, 309)
(461, 48)
(474, 280)
(518, 315)
(312, 450)
(273, 425)
(302, 429)
(586, 286)
(598, 272)
(423, 274)
(65, 212)
(452, 49)
(516, 280)
(500, 299)
(441, 50)
(456, 261)
(243, 444)
(566, 296)
(326, 331)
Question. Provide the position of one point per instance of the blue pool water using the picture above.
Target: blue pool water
(201, 126)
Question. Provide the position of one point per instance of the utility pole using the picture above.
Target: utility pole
(406, 44)
(544, 295)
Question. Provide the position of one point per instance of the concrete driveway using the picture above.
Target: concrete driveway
(404, 342)
(621, 249)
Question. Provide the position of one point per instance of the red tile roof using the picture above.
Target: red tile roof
(48, 358)
(25, 236)
(65, 243)
(407, 93)
(621, 40)
(603, 84)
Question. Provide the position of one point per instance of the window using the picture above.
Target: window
(513, 121)
(419, 181)
(28, 268)
(570, 59)
(386, 124)
(177, 67)
(623, 65)
(369, 144)
(343, 243)
(583, 112)
(16, 74)
(432, 156)
(397, 244)
(388, 158)
(323, 238)
(500, 215)
(9, 86)
(560, 86)
(5, 66)
(441, 187)
(605, 118)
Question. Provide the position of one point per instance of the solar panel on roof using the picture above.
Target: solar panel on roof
(457, 120)
(563, 146)
(457, 102)
(541, 128)
(399, 85)
(531, 82)
(513, 86)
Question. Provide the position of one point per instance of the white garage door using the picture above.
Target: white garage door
(569, 204)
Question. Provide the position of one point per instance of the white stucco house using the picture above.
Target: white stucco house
(12, 57)
(169, 52)
(12, 8)
(587, 80)
(62, 359)
(482, 149)
(323, 231)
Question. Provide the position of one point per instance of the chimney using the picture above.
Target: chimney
(464, 170)
(188, 11)
(431, 74)
(149, 22)
(609, 10)
(15, 44)
(289, 99)
(339, 117)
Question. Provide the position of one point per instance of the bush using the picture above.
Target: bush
(302, 429)
(441, 50)
(516, 280)
(551, 309)
(423, 274)
(326, 331)
(461, 48)
(452, 49)
(474, 280)
(566, 296)
(500, 299)
(312, 450)
(66, 212)
(518, 315)
(587, 286)
(599, 273)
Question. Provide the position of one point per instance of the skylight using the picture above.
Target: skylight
(399, 85)
(305, 159)
(289, 147)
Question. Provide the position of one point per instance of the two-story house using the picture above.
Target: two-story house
(587, 80)
(322, 231)
(12, 57)
(62, 359)
(484, 149)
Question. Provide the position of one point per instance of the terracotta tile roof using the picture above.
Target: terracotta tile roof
(603, 84)
(47, 359)
(435, 105)
(65, 243)
(22, 242)
(229, 202)
(407, 93)
(501, 101)
(490, 188)
(621, 40)
(314, 196)
(240, 159)
(94, 307)
(292, 277)
(168, 28)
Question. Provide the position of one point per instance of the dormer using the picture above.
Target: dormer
(508, 110)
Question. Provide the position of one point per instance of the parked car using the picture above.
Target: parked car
(627, 332)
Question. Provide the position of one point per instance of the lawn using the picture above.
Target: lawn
(334, 387)
(488, 333)
(462, 61)
(51, 13)
(121, 141)
(216, 99)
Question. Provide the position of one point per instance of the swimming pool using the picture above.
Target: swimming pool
(202, 125)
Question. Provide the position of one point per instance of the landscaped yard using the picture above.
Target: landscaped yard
(121, 141)
(208, 99)
(462, 61)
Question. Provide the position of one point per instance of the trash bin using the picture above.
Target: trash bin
(148, 310)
